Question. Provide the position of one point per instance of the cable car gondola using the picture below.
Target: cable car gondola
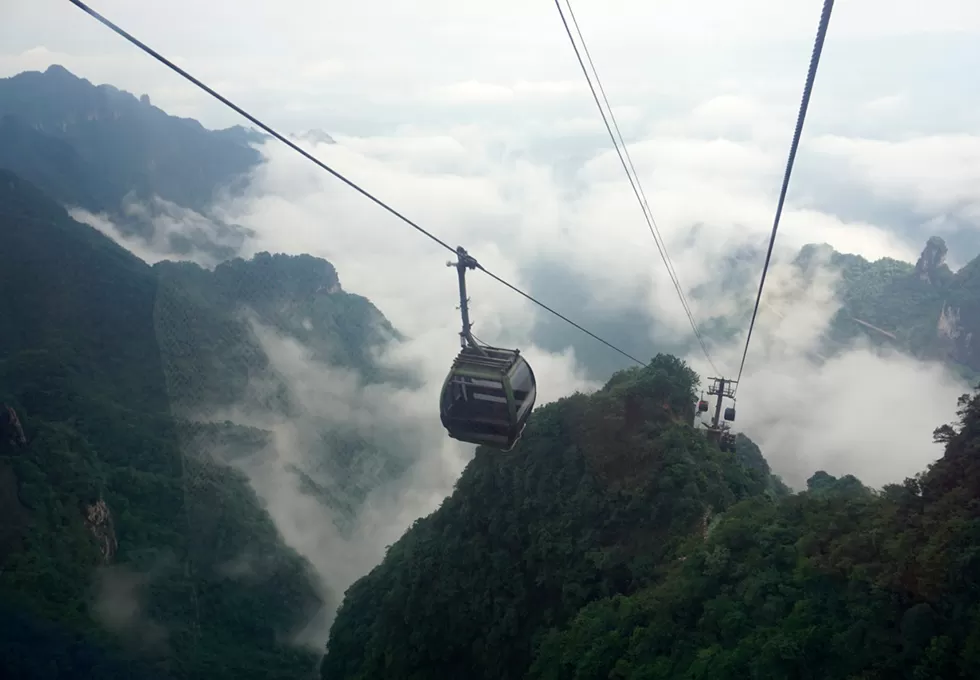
(702, 404)
(489, 392)
(488, 396)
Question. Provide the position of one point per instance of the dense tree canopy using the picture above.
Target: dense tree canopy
(600, 497)
(640, 552)
(103, 356)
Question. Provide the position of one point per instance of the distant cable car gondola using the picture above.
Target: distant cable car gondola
(489, 392)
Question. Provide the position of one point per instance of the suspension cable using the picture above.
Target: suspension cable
(166, 62)
(828, 7)
(627, 163)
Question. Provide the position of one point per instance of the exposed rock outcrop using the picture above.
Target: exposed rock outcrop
(98, 519)
(932, 260)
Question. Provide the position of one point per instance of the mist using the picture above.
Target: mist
(406, 467)
(119, 605)
(863, 411)
(158, 230)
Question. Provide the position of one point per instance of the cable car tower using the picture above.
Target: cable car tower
(489, 392)
(718, 430)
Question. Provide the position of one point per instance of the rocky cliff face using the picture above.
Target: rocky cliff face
(955, 331)
(958, 317)
(98, 520)
(932, 262)
(926, 309)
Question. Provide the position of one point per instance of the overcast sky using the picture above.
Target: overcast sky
(310, 63)
(474, 119)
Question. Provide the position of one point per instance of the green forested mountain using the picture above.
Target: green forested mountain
(123, 539)
(601, 497)
(123, 143)
(104, 150)
(925, 309)
(613, 542)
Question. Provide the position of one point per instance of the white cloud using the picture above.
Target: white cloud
(510, 213)
(303, 63)
(934, 173)
(887, 105)
(163, 230)
(472, 91)
(399, 422)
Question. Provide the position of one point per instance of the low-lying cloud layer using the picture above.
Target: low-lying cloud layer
(119, 606)
(359, 508)
(162, 230)
(712, 197)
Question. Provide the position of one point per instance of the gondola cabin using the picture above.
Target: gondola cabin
(730, 413)
(488, 396)
(702, 406)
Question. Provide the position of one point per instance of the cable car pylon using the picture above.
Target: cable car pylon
(719, 430)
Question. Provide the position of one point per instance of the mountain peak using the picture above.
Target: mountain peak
(59, 71)
(932, 259)
(116, 144)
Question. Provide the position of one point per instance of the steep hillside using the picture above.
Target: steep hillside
(298, 296)
(835, 582)
(600, 497)
(613, 542)
(925, 308)
(119, 525)
(104, 150)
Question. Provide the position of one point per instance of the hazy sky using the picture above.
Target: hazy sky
(308, 63)
(893, 99)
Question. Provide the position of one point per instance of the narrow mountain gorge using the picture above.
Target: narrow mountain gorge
(119, 518)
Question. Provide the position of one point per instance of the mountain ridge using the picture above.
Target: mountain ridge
(99, 358)
(102, 149)
(924, 309)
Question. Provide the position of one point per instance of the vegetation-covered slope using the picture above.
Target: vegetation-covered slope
(835, 582)
(125, 143)
(595, 550)
(104, 150)
(117, 527)
(925, 309)
(599, 498)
